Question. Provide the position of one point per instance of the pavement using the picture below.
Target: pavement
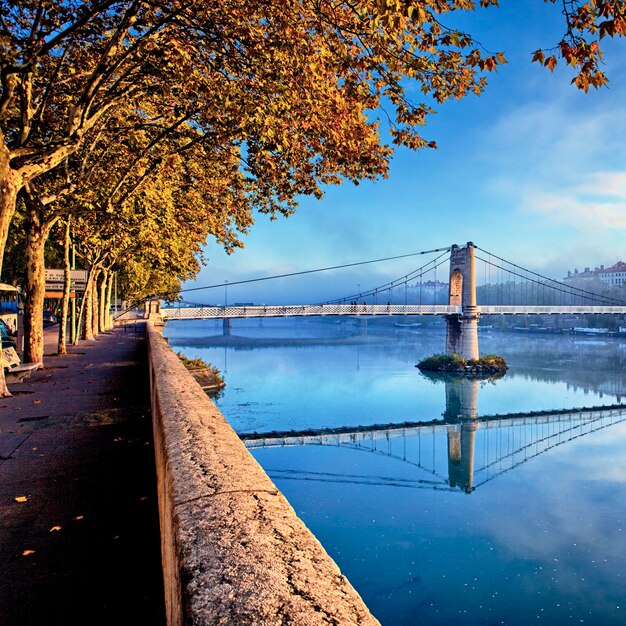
(79, 530)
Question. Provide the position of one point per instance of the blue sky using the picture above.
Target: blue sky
(532, 170)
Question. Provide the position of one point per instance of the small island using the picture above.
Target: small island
(453, 363)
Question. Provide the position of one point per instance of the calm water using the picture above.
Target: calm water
(500, 521)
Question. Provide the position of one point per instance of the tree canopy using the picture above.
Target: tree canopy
(283, 88)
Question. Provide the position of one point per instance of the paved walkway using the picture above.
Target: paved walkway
(79, 538)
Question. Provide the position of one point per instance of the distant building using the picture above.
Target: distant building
(588, 274)
(614, 275)
(429, 292)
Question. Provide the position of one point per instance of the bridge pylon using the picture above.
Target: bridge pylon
(462, 328)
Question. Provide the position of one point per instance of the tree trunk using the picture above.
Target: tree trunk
(36, 235)
(95, 316)
(62, 345)
(109, 316)
(87, 308)
(10, 184)
(81, 312)
(103, 301)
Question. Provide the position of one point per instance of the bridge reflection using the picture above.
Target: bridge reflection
(477, 448)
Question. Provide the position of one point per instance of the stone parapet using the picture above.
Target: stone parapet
(233, 549)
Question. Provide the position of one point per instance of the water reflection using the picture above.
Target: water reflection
(544, 543)
(506, 441)
(461, 410)
(540, 538)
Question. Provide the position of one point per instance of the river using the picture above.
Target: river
(463, 514)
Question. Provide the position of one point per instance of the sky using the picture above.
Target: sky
(532, 170)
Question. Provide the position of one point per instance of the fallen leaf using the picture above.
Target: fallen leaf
(79, 517)
(27, 552)
(36, 401)
(21, 499)
(117, 439)
(54, 529)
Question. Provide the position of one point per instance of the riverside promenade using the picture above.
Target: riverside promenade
(79, 530)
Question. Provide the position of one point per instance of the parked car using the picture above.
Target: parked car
(7, 340)
(49, 318)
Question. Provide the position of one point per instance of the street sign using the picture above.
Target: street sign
(55, 278)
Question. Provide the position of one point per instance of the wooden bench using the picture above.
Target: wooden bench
(14, 370)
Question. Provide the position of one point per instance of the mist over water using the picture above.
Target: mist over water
(462, 519)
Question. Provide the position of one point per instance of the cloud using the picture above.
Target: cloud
(556, 167)
(596, 204)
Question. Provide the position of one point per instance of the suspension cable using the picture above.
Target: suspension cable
(403, 280)
(164, 295)
(593, 297)
(568, 288)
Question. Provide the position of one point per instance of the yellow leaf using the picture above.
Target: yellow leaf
(539, 56)
(21, 499)
(54, 529)
(27, 552)
(550, 63)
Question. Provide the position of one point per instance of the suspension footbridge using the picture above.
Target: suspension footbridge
(506, 289)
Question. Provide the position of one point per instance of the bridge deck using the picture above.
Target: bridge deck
(351, 310)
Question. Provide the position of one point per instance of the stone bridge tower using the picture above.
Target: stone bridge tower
(462, 328)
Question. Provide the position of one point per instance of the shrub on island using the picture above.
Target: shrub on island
(488, 364)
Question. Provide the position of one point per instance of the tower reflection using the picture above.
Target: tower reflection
(504, 441)
(461, 415)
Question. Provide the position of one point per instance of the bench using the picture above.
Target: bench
(14, 370)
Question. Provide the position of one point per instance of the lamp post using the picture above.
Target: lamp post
(225, 293)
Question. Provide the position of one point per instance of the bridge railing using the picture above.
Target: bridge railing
(350, 310)
(220, 312)
(528, 309)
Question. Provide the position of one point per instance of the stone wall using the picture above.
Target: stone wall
(233, 549)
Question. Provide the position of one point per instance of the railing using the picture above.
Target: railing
(531, 309)
(229, 312)
(220, 312)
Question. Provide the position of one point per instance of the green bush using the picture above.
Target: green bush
(453, 362)
(440, 361)
(199, 364)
